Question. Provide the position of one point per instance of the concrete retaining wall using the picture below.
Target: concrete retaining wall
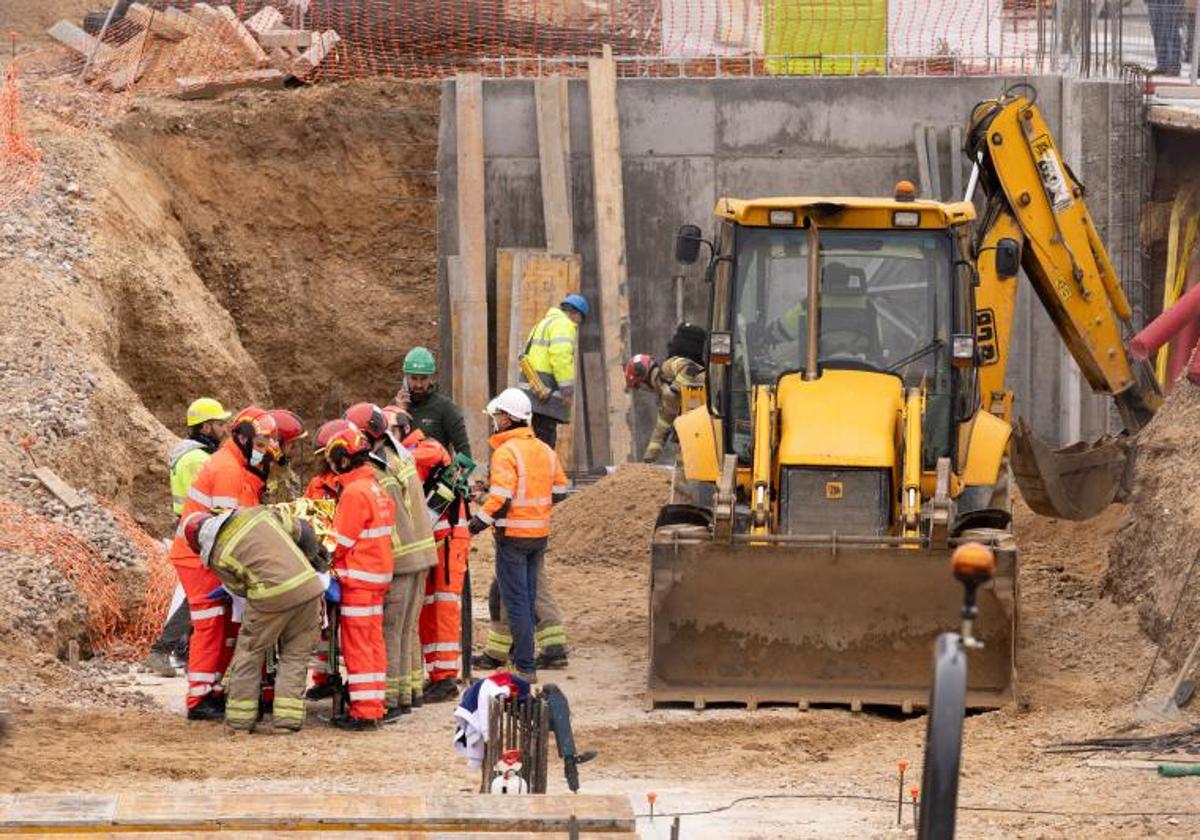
(686, 142)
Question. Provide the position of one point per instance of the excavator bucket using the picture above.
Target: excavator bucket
(816, 624)
(1076, 482)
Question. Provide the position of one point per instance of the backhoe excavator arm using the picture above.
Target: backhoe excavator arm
(1034, 200)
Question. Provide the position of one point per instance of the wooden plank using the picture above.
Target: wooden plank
(922, 148)
(592, 376)
(609, 195)
(75, 39)
(320, 47)
(454, 284)
(265, 19)
(62, 491)
(157, 23)
(473, 340)
(292, 39)
(935, 167)
(208, 86)
(182, 21)
(504, 306)
(554, 150)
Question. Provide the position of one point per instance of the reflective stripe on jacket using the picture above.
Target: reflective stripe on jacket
(551, 347)
(224, 483)
(255, 555)
(363, 523)
(413, 548)
(668, 382)
(525, 479)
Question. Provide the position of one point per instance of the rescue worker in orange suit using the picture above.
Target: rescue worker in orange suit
(441, 614)
(323, 487)
(283, 485)
(362, 565)
(413, 555)
(272, 559)
(324, 484)
(526, 478)
(232, 478)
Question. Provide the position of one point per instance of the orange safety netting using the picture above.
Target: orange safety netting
(20, 159)
(114, 629)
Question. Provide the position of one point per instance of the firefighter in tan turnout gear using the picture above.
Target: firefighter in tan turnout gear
(266, 557)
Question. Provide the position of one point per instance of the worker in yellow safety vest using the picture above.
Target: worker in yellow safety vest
(550, 352)
(207, 424)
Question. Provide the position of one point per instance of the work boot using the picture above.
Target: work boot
(439, 691)
(486, 662)
(417, 701)
(159, 663)
(394, 713)
(353, 724)
(552, 657)
(320, 692)
(530, 678)
(209, 708)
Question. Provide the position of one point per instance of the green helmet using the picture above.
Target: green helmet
(420, 361)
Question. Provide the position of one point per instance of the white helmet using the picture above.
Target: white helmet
(512, 401)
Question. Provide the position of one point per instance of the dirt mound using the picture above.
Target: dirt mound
(1160, 534)
(612, 520)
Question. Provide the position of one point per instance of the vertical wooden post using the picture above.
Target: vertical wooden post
(610, 247)
(554, 149)
(471, 342)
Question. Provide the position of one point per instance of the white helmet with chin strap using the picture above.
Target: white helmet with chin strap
(512, 401)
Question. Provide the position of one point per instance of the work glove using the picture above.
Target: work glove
(219, 594)
(476, 525)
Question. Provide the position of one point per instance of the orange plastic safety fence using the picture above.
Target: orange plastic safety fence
(113, 629)
(20, 159)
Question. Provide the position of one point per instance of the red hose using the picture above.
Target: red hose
(1163, 328)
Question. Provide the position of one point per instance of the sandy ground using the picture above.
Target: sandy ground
(1081, 663)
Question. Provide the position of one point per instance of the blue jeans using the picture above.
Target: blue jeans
(517, 572)
(1166, 24)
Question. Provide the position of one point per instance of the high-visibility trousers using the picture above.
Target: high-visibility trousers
(441, 616)
(400, 610)
(214, 634)
(361, 617)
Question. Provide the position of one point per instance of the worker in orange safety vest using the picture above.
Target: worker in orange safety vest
(362, 564)
(526, 479)
(232, 478)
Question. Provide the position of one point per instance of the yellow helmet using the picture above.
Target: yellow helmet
(205, 409)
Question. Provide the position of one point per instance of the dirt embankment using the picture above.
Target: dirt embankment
(1159, 539)
(272, 247)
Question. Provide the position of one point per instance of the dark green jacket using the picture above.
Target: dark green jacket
(441, 419)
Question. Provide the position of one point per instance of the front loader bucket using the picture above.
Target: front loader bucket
(781, 623)
(1077, 482)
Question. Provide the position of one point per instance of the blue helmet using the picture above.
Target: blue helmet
(578, 303)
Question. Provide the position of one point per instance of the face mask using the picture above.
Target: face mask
(256, 457)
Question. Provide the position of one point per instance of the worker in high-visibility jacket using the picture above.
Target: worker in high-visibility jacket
(232, 478)
(271, 559)
(668, 381)
(550, 349)
(413, 555)
(441, 613)
(207, 427)
(525, 480)
(362, 564)
(283, 485)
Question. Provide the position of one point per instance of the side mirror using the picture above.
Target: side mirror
(687, 244)
(1008, 258)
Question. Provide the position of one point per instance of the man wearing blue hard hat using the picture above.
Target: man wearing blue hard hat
(548, 366)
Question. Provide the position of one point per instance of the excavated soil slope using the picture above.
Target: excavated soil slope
(1157, 545)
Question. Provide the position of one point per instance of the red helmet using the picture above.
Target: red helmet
(637, 370)
(260, 421)
(192, 526)
(289, 425)
(326, 433)
(349, 441)
(369, 418)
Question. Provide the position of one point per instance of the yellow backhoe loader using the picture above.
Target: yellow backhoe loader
(857, 427)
